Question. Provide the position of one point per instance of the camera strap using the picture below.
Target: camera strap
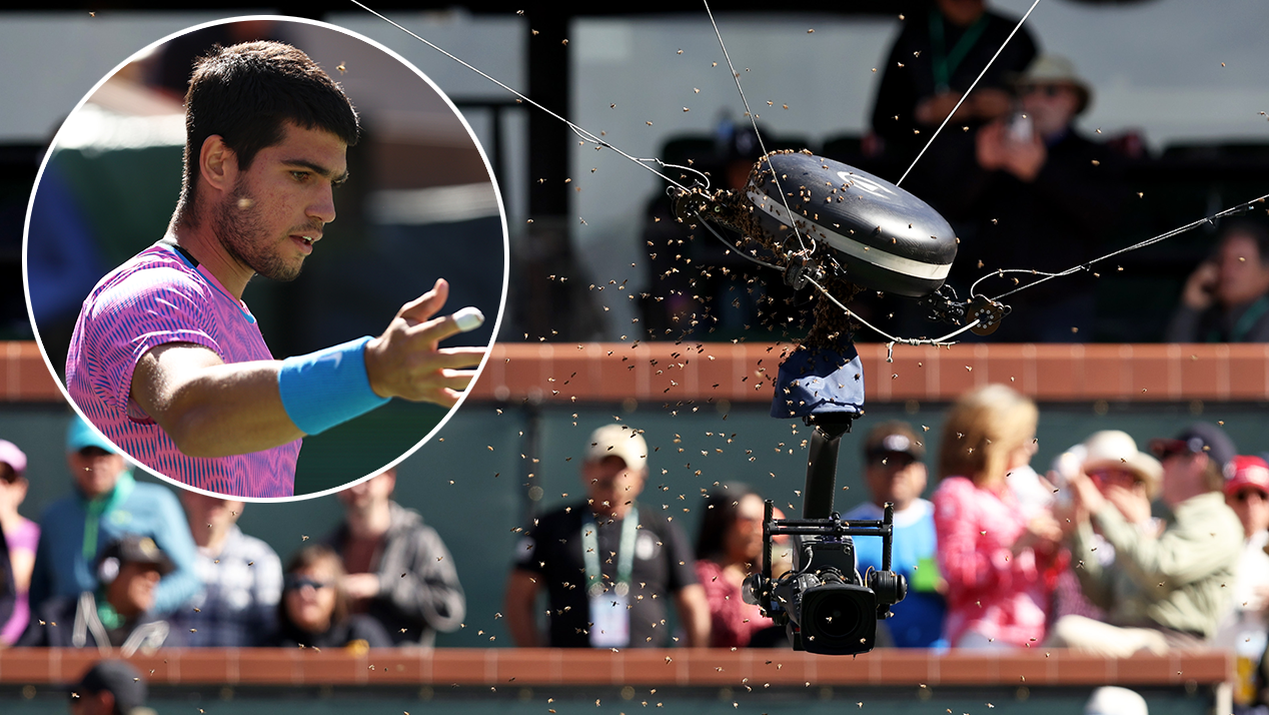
(625, 554)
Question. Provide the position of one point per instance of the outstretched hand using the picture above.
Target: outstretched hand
(405, 361)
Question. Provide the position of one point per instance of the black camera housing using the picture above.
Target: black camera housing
(824, 604)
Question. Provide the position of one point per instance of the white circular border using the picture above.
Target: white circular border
(502, 213)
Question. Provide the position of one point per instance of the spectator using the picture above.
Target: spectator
(1000, 565)
(1226, 299)
(895, 474)
(111, 687)
(1043, 196)
(1130, 479)
(931, 65)
(399, 571)
(729, 548)
(620, 600)
(1247, 493)
(20, 535)
(1111, 700)
(241, 577)
(314, 613)
(1166, 591)
(119, 613)
(105, 503)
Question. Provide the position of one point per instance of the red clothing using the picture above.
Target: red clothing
(732, 622)
(990, 591)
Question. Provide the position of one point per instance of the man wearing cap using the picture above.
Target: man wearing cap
(895, 474)
(105, 503)
(18, 538)
(1247, 493)
(1167, 591)
(1042, 196)
(111, 687)
(119, 613)
(609, 564)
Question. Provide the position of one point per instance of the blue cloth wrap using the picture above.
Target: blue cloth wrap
(324, 388)
(816, 381)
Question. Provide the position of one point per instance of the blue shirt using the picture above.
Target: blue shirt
(74, 530)
(918, 618)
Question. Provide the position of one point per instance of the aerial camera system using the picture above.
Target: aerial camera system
(825, 223)
(823, 602)
(819, 220)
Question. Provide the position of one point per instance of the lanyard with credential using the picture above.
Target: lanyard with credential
(944, 62)
(625, 554)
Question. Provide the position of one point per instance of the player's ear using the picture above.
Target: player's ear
(217, 163)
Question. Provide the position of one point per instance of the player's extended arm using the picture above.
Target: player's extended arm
(213, 409)
(521, 605)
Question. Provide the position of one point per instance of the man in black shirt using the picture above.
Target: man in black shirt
(608, 565)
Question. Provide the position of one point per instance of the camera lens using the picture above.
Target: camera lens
(838, 616)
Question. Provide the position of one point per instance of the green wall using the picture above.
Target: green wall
(472, 482)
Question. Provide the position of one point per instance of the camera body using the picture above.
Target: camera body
(824, 604)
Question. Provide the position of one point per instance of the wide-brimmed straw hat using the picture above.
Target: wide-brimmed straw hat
(1056, 69)
(1113, 448)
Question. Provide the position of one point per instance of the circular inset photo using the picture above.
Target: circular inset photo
(265, 257)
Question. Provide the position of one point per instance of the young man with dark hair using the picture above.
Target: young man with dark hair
(168, 362)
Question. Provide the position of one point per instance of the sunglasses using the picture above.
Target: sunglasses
(296, 583)
(1047, 90)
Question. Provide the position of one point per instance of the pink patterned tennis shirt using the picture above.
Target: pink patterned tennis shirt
(160, 296)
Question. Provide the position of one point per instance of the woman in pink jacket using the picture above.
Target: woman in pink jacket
(1001, 564)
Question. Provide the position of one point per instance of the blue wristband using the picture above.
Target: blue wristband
(327, 387)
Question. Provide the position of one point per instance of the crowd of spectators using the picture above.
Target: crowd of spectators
(122, 564)
(1112, 551)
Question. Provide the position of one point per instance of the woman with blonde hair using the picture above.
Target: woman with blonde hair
(1000, 562)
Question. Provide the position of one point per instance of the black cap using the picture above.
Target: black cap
(120, 678)
(138, 549)
(1199, 437)
(894, 437)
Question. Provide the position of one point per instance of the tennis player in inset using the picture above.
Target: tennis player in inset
(167, 361)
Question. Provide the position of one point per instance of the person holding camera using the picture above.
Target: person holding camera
(1043, 196)
(1226, 299)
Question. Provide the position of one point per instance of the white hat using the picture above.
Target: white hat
(618, 440)
(1112, 448)
(1111, 700)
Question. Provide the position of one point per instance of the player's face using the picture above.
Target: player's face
(280, 204)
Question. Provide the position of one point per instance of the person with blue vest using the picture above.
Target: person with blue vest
(894, 473)
(106, 503)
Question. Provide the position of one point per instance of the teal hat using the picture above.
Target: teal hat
(79, 435)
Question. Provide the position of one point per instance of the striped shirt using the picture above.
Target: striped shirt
(160, 297)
